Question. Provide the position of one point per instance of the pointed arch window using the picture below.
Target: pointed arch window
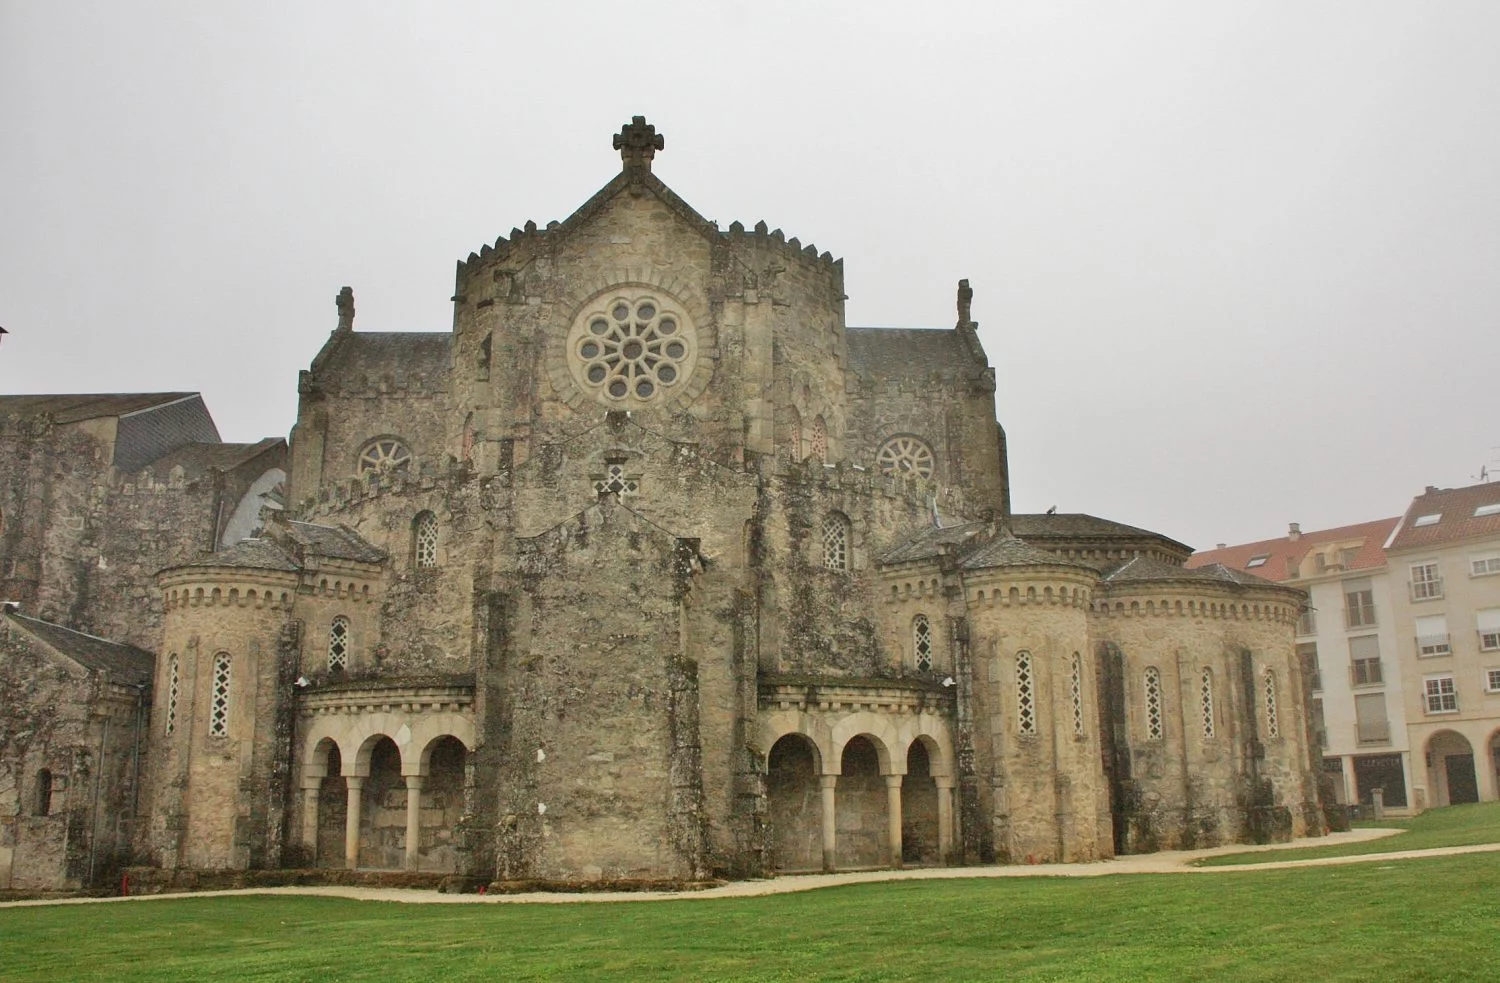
(820, 440)
(1025, 694)
(1075, 694)
(921, 642)
(218, 703)
(1206, 697)
(338, 644)
(1153, 704)
(1273, 713)
(424, 541)
(174, 692)
(835, 542)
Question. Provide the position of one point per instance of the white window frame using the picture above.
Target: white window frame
(1492, 679)
(1433, 644)
(1432, 687)
(1426, 581)
(1485, 564)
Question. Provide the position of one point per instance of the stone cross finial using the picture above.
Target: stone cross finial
(345, 304)
(637, 143)
(965, 302)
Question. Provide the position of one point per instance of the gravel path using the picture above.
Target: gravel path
(1166, 862)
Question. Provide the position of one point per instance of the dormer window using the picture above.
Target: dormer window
(1485, 510)
(1257, 561)
(1427, 520)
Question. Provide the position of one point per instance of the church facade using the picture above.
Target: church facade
(654, 569)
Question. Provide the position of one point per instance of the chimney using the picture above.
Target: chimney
(1294, 531)
(1219, 546)
(1430, 489)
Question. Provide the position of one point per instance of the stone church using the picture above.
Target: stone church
(651, 569)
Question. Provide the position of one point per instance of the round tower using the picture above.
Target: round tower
(221, 722)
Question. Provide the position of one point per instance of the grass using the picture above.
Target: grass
(1463, 825)
(1417, 920)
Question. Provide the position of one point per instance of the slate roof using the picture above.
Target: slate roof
(1141, 569)
(1458, 522)
(198, 457)
(251, 554)
(1279, 553)
(905, 351)
(1080, 526)
(374, 354)
(125, 663)
(1008, 551)
(85, 406)
(334, 542)
(924, 545)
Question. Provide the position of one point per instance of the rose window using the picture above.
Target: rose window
(632, 346)
(384, 455)
(905, 454)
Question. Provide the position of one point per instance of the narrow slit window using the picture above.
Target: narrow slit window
(424, 538)
(1075, 694)
(1025, 694)
(1206, 697)
(174, 692)
(218, 704)
(1153, 704)
(338, 645)
(1273, 713)
(921, 641)
(836, 542)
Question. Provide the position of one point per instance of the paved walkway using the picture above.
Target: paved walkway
(1166, 862)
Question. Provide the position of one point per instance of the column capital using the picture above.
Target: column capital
(354, 781)
(828, 781)
(414, 781)
(893, 781)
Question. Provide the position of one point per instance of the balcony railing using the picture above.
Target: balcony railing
(1429, 646)
(1426, 590)
(1307, 624)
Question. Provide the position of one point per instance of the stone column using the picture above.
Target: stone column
(830, 827)
(945, 815)
(351, 821)
(413, 819)
(310, 817)
(893, 816)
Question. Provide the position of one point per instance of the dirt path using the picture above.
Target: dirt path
(1167, 862)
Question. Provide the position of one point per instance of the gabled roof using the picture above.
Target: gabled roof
(1458, 522)
(928, 543)
(198, 457)
(124, 663)
(333, 542)
(74, 408)
(1281, 553)
(377, 354)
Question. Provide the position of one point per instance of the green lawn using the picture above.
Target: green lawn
(1452, 826)
(1405, 920)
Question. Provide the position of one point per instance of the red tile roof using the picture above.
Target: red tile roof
(1458, 522)
(1279, 551)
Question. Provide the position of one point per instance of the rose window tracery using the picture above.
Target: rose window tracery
(905, 454)
(383, 455)
(632, 346)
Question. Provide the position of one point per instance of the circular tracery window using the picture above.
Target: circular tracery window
(385, 454)
(632, 346)
(905, 454)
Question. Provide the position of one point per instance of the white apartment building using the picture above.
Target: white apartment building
(1444, 561)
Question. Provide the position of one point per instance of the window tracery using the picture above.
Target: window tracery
(1153, 704)
(338, 644)
(1075, 694)
(1206, 697)
(1025, 694)
(1273, 713)
(616, 482)
(820, 440)
(424, 540)
(905, 454)
(174, 692)
(218, 704)
(835, 542)
(382, 455)
(921, 641)
(632, 345)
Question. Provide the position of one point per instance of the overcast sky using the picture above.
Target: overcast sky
(1235, 264)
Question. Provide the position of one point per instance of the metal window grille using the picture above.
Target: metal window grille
(820, 440)
(1075, 694)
